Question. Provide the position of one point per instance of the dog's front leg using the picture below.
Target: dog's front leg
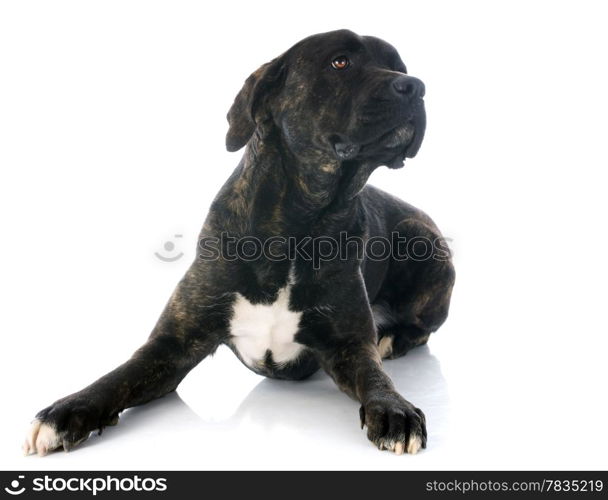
(180, 340)
(346, 343)
(392, 422)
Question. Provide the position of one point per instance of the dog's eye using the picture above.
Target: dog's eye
(340, 62)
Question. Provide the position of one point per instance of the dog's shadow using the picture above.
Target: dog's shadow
(314, 408)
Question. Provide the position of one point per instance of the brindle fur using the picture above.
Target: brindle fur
(291, 182)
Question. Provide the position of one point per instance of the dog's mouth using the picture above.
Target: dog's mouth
(397, 137)
(391, 147)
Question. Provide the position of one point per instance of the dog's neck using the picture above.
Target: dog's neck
(276, 192)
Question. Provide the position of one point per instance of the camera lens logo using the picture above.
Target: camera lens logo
(14, 488)
(169, 247)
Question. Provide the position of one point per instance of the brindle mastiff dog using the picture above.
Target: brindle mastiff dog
(316, 121)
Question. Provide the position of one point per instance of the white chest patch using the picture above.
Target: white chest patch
(256, 328)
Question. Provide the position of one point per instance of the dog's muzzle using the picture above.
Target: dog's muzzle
(404, 137)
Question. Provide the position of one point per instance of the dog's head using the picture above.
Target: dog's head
(338, 94)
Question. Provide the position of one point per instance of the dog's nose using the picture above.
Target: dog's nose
(408, 86)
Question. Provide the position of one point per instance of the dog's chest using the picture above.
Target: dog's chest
(257, 329)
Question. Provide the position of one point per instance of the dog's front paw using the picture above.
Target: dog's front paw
(393, 423)
(66, 423)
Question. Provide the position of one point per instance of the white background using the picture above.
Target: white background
(112, 123)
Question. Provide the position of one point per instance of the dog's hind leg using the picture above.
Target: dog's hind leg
(179, 341)
(415, 299)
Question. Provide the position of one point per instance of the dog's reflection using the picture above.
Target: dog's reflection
(314, 407)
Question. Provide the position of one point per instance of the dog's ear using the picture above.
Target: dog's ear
(252, 101)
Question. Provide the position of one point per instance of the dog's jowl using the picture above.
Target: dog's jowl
(293, 287)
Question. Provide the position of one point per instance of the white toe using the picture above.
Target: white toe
(385, 347)
(414, 444)
(386, 444)
(47, 439)
(29, 446)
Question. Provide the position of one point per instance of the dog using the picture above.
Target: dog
(316, 122)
